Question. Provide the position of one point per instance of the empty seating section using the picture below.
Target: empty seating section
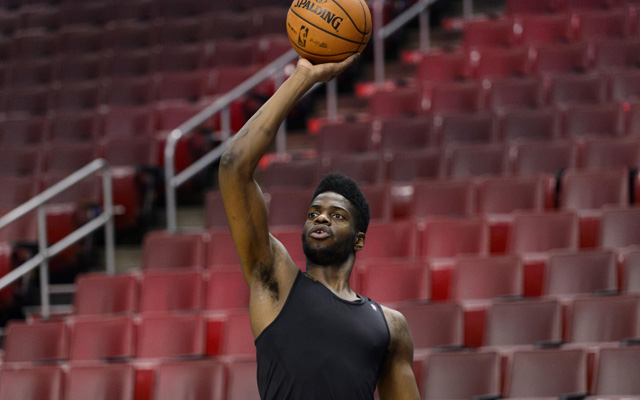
(502, 177)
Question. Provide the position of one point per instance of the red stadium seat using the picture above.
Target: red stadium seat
(464, 128)
(631, 279)
(380, 201)
(289, 206)
(395, 102)
(180, 31)
(127, 122)
(22, 163)
(162, 291)
(535, 232)
(75, 96)
(440, 98)
(589, 25)
(346, 137)
(620, 227)
(536, 29)
(21, 131)
(601, 120)
(442, 198)
(34, 44)
(237, 338)
(98, 293)
(190, 380)
(80, 68)
(226, 289)
(590, 4)
(129, 63)
(583, 272)
(41, 341)
(80, 39)
(434, 324)
(546, 373)
(569, 89)
(267, 20)
(495, 63)
(242, 382)
(390, 240)
(130, 152)
(188, 86)
(528, 124)
(100, 382)
(170, 335)
(559, 58)
(69, 157)
(504, 195)
(460, 375)
(32, 383)
(16, 190)
(522, 322)
(476, 278)
(613, 373)
(101, 338)
(625, 86)
(390, 281)
(543, 157)
(407, 165)
(610, 54)
(436, 66)
(364, 168)
(610, 153)
(180, 58)
(403, 133)
(27, 101)
(164, 250)
(30, 73)
(72, 127)
(128, 35)
(291, 238)
(468, 161)
(601, 319)
(449, 237)
(505, 94)
(220, 249)
(487, 33)
(295, 173)
(227, 25)
(129, 91)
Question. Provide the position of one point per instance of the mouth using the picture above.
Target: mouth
(319, 233)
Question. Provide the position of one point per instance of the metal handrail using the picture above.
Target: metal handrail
(45, 252)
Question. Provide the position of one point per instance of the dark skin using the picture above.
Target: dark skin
(266, 264)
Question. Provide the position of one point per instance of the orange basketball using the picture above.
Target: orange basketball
(328, 30)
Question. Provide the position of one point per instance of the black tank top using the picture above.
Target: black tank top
(321, 347)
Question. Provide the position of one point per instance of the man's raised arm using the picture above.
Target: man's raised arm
(244, 205)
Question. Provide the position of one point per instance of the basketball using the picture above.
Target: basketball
(328, 30)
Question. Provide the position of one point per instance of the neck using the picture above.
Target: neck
(334, 278)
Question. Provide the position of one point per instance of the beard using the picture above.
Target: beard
(334, 254)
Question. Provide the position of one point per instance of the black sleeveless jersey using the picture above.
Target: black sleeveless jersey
(321, 347)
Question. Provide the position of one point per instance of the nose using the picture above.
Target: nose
(322, 218)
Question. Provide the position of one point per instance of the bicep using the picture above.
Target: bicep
(397, 381)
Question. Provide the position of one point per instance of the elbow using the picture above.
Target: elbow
(233, 165)
(228, 159)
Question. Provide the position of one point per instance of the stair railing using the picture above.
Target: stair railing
(46, 251)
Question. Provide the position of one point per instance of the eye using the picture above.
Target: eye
(338, 216)
(312, 215)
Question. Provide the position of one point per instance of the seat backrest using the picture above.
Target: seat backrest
(238, 338)
(615, 371)
(170, 335)
(171, 291)
(620, 227)
(390, 239)
(101, 382)
(227, 288)
(470, 161)
(36, 383)
(539, 232)
(602, 319)
(388, 281)
(288, 206)
(543, 157)
(41, 341)
(241, 381)
(162, 250)
(546, 373)
(453, 198)
(610, 153)
(98, 293)
(504, 195)
(522, 322)
(448, 237)
(631, 280)
(583, 272)
(101, 337)
(191, 380)
(461, 375)
(486, 277)
(435, 324)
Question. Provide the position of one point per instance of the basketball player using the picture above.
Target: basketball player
(315, 338)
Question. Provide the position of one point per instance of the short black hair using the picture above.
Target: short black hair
(346, 187)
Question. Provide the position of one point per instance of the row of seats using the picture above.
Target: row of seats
(68, 69)
(515, 7)
(583, 320)
(605, 372)
(505, 94)
(104, 28)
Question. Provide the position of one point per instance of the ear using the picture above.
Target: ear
(359, 244)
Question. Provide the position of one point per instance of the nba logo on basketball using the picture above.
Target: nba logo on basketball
(302, 36)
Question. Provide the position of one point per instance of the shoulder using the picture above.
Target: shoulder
(398, 328)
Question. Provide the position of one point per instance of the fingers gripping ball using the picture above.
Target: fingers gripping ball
(328, 30)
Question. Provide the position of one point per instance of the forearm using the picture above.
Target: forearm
(257, 135)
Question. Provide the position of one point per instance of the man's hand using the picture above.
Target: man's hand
(327, 71)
